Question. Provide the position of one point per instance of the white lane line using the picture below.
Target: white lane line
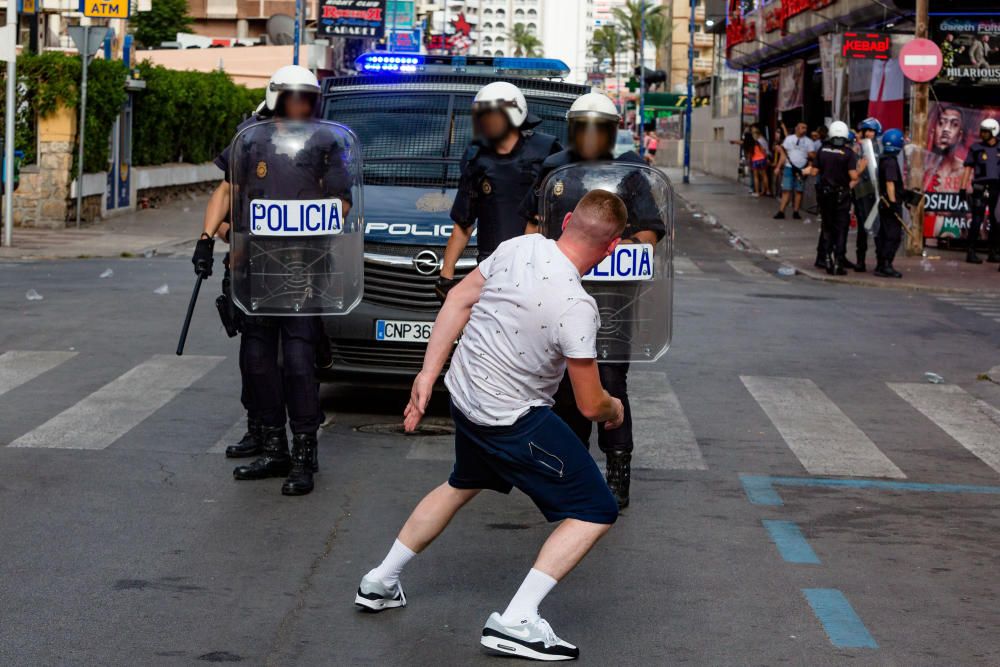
(231, 437)
(686, 266)
(972, 423)
(119, 406)
(20, 366)
(824, 439)
(747, 268)
(662, 434)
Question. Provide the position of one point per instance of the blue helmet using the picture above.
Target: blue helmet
(892, 141)
(871, 124)
(851, 137)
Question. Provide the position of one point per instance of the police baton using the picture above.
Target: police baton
(190, 311)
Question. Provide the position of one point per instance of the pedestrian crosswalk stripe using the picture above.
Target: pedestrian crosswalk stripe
(119, 406)
(20, 366)
(972, 423)
(685, 265)
(662, 434)
(231, 437)
(824, 439)
(747, 268)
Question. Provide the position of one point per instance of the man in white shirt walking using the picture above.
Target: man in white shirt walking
(794, 158)
(524, 319)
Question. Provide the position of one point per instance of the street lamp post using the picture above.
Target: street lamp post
(690, 97)
(8, 148)
(641, 120)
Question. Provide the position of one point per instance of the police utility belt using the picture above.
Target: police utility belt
(831, 191)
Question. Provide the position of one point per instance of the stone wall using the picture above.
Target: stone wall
(43, 198)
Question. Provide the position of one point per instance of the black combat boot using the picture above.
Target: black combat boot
(971, 256)
(847, 264)
(994, 256)
(619, 476)
(882, 270)
(829, 264)
(274, 460)
(249, 445)
(840, 265)
(892, 270)
(305, 462)
(859, 266)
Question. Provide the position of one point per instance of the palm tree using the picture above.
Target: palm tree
(525, 43)
(629, 18)
(607, 42)
(658, 31)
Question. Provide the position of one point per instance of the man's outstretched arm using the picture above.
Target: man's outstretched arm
(451, 319)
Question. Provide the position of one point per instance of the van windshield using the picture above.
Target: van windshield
(417, 139)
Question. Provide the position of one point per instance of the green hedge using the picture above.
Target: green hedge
(179, 117)
(187, 116)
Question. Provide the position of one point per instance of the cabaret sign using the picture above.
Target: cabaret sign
(741, 27)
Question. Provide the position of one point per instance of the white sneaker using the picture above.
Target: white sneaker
(534, 640)
(376, 596)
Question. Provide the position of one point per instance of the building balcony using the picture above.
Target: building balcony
(699, 14)
(702, 39)
(703, 65)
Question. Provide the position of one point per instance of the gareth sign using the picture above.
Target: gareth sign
(352, 18)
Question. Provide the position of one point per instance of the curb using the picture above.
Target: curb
(836, 280)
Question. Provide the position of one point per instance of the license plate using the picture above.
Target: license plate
(403, 330)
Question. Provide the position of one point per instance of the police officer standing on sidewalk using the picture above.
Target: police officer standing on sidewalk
(865, 197)
(982, 167)
(890, 180)
(593, 125)
(498, 168)
(836, 167)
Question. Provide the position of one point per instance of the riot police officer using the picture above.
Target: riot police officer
(890, 230)
(836, 167)
(593, 125)
(292, 390)
(865, 198)
(498, 168)
(982, 167)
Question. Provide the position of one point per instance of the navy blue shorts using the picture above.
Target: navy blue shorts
(540, 455)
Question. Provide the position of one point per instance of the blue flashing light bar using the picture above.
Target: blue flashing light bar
(409, 63)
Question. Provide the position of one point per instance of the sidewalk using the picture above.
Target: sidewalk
(749, 219)
(160, 231)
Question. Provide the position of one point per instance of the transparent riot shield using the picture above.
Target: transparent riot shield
(634, 286)
(296, 209)
(871, 167)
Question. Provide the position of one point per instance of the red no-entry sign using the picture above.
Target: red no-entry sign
(920, 60)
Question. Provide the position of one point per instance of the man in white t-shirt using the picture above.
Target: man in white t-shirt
(524, 319)
(794, 158)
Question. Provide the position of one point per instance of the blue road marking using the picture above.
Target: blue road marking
(842, 624)
(791, 543)
(760, 488)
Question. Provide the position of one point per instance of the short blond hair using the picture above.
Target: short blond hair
(599, 218)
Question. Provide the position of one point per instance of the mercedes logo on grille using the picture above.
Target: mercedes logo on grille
(427, 263)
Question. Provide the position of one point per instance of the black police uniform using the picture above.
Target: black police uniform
(493, 185)
(985, 162)
(890, 230)
(864, 201)
(833, 193)
(314, 172)
(249, 445)
(643, 215)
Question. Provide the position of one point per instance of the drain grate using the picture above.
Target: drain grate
(396, 428)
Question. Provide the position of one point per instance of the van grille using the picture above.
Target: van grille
(398, 356)
(399, 285)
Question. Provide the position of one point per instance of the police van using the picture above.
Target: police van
(412, 114)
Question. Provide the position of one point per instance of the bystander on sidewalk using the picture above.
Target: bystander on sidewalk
(793, 242)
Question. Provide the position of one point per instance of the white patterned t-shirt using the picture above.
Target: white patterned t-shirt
(532, 315)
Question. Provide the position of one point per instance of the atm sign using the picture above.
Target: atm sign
(105, 9)
(867, 45)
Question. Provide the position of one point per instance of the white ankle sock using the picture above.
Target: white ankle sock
(524, 605)
(397, 558)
